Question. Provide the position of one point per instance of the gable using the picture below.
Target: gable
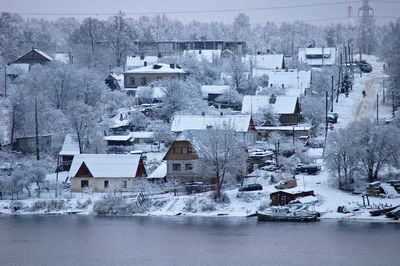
(33, 56)
(177, 151)
(83, 171)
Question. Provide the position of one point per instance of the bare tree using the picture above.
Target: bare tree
(221, 155)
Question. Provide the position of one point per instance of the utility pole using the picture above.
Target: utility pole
(332, 96)
(5, 81)
(377, 108)
(326, 121)
(383, 91)
(367, 13)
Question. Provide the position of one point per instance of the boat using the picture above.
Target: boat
(285, 214)
(395, 213)
(382, 211)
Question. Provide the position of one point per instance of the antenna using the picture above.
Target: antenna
(349, 12)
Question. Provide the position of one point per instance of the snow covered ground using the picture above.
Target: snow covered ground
(351, 109)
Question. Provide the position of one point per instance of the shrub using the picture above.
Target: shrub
(114, 206)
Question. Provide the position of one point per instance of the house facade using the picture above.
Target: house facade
(144, 76)
(103, 172)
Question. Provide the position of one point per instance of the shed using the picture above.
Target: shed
(283, 197)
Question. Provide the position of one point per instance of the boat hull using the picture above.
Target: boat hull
(274, 218)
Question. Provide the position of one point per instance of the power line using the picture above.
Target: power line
(190, 11)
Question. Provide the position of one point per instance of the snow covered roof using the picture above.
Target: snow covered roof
(294, 81)
(208, 55)
(142, 134)
(119, 78)
(313, 56)
(282, 105)
(265, 61)
(17, 69)
(295, 128)
(133, 62)
(157, 68)
(62, 57)
(118, 138)
(107, 165)
(216, 89)
(160, 172)
(70, 146)
(43, 54)
(240, 123)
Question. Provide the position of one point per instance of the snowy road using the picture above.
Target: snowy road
(372, 84)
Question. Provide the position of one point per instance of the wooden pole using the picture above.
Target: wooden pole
(332, 96)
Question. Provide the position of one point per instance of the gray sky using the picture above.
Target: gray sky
(385, 10)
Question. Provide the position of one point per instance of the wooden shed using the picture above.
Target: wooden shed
(283, 198)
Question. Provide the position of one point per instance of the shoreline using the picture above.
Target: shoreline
(378, 219)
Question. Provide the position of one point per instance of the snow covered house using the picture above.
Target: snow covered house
(101, 172)
(119, 140)
(242, 124)
(34, 56)
(265, 61)
(69, 149)
(114, 81)
(142, 137)
(181, 158)
(287, 107)
(134, 62)
(146, 75)
(27, 144)
(317, 57)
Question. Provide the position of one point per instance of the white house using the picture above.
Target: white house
(101, 172)
(317, 57)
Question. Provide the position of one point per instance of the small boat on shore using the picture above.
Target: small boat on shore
(382, 211)
(285, 214)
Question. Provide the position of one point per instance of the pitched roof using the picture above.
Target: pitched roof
(70, 146)
(107, 165)
(43, 54)
(265, 61)
(283, 104)
(157, 68)
(240, 123)
(329, 56)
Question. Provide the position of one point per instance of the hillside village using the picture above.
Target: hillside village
(190, 127)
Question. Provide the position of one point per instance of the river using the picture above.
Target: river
(89, 240)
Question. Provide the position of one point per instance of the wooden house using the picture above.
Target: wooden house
(287, 107)
(34, 56)
(102, 172)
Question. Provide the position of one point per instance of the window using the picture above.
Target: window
(132, 80)
(184, 150)
(189, 150)
(84, 183)
(33, 55)
(177, 150)
(144, 81)
(176, 167)
(188, 166)
(105, 183)
(124, 184)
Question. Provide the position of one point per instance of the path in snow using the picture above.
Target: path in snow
(372, 85)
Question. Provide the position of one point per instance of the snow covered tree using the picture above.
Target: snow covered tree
(343, 156)
(241, 27)
(180, 96)
(137, 120)
(237, 70)
(230, 98)
(266, 116)
(378, 147)
(221, 155)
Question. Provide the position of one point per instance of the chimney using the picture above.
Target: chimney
(199, 51)
(221, 113)
(145, 63)
(283, 86)
(203, 113)
(172, 66)
(159, 55)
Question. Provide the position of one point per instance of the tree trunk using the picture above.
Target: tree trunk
(37, 130)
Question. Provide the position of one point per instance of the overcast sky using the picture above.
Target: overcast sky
(322, 14)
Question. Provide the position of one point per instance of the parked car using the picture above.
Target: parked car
(366, 68)
(308, 169)
(333, 117)
(195, 187)
(251, 187)
(271, 167)
(287, 183)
